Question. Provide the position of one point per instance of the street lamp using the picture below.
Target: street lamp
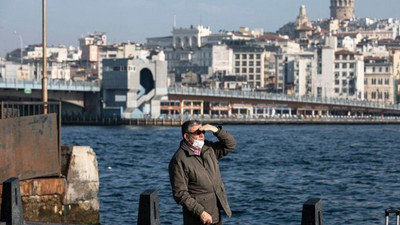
(44, 42)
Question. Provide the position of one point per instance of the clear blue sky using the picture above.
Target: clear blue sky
(134, 20)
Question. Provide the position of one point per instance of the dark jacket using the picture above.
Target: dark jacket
(196, 180)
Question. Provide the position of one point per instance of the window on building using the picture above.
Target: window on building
(337, 65)
(380, 81)
(386, 95)
(258, 56)
(237, 70)
(258, 84)
(258, 63)
(344, 74)
(344, 90)
(344, 82)
(337, 90)
(244, 70)
(258, 77)
(351, 65)
(244, 56)
(251, 63)
(380, 69)
(351, 74)
(258, 70)
(337, 82)
(366, 81)
(366, 95)
(251, 56)
(337, 74)
(387, 69)
(344, 65)
(380, 95)
(251, 70)
(373, 69)
(373, 95)
(251, 77)
(373, 81)
(337, 57)
(319, 91)
(237, 63)
(244, 63)
(387, 80)
(351, 57)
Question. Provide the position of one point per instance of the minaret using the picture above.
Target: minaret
(342, 9)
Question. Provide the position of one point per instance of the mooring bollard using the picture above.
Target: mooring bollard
(389, 211)
(11, 204)
(149, 213)
(312, 212)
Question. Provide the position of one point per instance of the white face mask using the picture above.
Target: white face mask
(198, 144)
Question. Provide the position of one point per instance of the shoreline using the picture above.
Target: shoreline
(229, 121)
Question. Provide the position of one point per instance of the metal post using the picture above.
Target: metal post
(44, 40)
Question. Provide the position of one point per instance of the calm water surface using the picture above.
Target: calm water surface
(355, 170)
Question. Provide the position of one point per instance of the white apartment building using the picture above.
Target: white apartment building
(284, 65)
(348, 75)
(249, 62)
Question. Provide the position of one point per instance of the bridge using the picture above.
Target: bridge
(76, 96)
(86, 95)
(302, 103)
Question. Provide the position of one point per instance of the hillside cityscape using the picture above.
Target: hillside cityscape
(341, 57)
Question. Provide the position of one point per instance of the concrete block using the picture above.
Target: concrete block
(312, 212)
(149, 213)
(11, 204)
(83, 176)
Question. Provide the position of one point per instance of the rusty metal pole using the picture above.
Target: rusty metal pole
(44, 40)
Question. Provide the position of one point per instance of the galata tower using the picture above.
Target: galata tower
(342, 9)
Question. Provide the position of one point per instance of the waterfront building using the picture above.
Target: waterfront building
(348, 75)
(379, 80)
(283, 65)
(134, 88)
(249, 62)
(395, 58)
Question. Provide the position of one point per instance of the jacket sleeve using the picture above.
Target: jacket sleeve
(179, 184)
(226, 143)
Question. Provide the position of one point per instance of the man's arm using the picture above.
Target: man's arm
(226, 143)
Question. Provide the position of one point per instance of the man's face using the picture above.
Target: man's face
(195, 134)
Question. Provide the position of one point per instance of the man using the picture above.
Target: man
(195, 176)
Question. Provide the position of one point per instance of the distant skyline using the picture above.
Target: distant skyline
(134, 20)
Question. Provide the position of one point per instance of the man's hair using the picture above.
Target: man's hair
(188, 124)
